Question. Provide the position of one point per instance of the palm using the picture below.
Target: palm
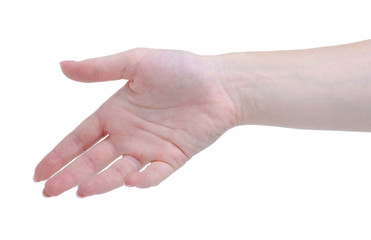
(170, 109)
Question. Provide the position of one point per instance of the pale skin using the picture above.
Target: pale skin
(177, 103)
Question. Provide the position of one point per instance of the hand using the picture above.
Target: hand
(173, 106)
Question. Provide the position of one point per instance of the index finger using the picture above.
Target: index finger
(78, 141)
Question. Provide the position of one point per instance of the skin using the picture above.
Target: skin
(176, 103)
(171, 108)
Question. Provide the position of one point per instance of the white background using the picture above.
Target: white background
(255, 182)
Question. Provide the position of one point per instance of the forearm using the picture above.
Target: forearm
(323, 88)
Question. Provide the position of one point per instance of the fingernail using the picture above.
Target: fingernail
(45, 194)
(79, 195)
(63, 62)
(35, 179)
(128, 185)
(67, 61)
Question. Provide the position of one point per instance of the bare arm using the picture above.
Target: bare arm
(323, 88)
(176, 103)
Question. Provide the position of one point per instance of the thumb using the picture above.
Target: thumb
(113, 67)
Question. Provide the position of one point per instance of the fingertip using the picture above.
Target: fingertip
(62, 63)
(40, 174)
(139, 180)
(80, 195)
(153, 175)
(130, 179)
(35, 179)
(65, 65)
(45, 194)
(86, 189)
(67, 69)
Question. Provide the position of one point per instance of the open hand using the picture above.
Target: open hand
(172, 106)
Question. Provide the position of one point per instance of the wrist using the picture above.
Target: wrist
(310, 89)
(263, 85)
(236, 74)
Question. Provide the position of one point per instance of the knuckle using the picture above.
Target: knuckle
(119, 173)
(89, 162)
(77, 141)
